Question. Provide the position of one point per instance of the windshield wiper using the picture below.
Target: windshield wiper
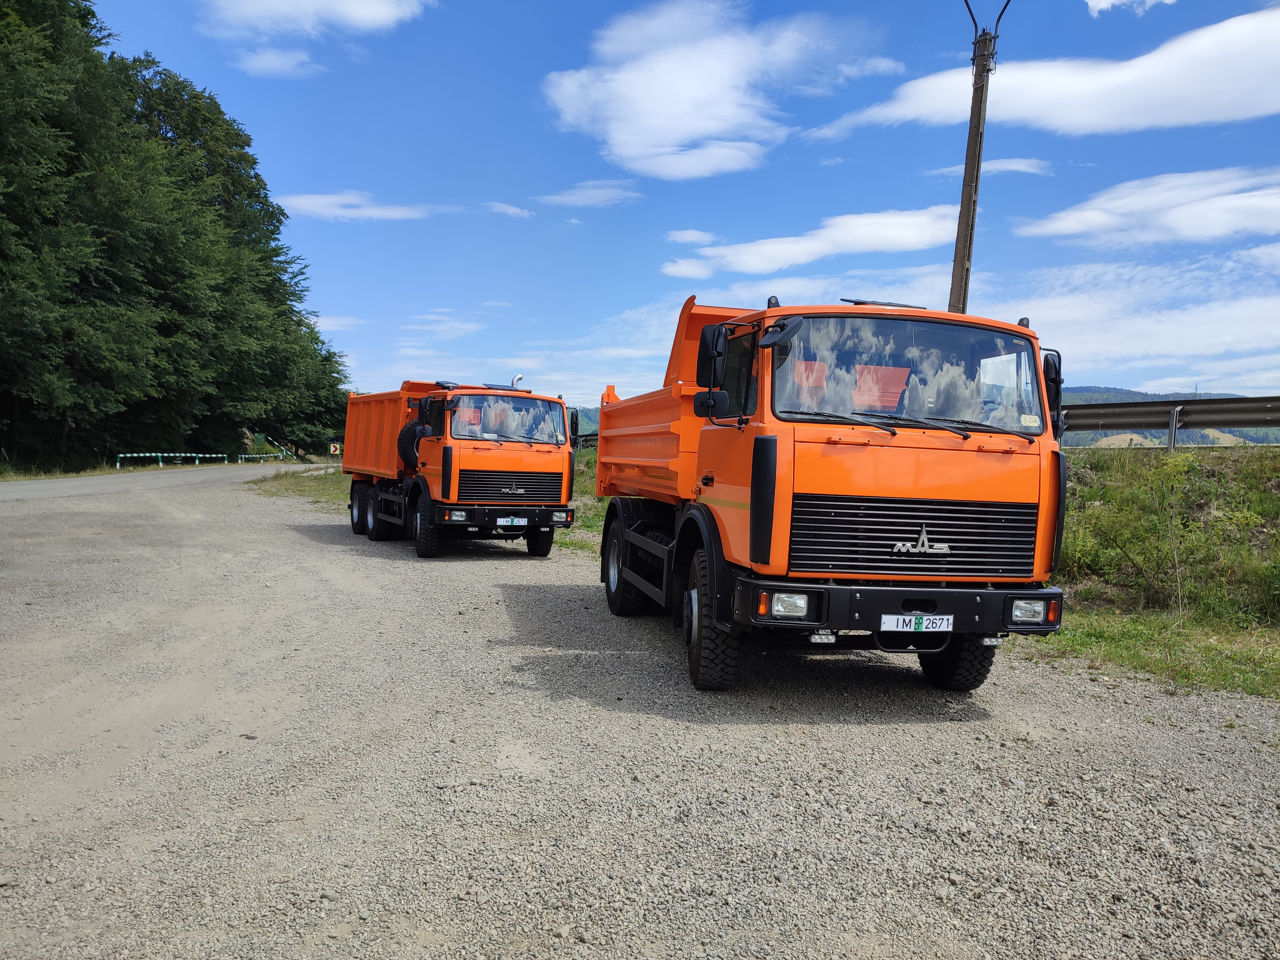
(841, 418)
(920, 422)
(990, 428)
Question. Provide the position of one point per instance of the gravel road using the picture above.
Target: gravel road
(229, 728)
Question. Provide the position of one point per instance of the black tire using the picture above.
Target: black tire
(539, 541)
(375, 526)
(424, 533)
(624, 598)
(713, 652)
(359, 494)
(962, 665)
(407, 447)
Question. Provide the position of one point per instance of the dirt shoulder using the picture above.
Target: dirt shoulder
(230, 728)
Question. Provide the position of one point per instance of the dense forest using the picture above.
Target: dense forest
(146, 299)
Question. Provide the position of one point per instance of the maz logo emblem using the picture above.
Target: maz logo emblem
(922, 545)
(513, 489)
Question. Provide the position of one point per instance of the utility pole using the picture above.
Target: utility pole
(984, 64)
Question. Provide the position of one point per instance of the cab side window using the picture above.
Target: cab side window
(740, 375)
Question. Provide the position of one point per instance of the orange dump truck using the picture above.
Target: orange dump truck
(435, 460)
(858, 476)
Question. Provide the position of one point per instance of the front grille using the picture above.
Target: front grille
(886, 536)
(508, 486)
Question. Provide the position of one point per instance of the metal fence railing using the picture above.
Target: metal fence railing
(1174, 415)
(161, 457)
(259, 457)
(1166, 415)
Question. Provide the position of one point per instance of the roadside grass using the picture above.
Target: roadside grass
(1188, 653)
(327, 486)
(8, 473)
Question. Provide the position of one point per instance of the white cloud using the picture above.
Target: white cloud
(888, 231)
(444, 328)
(1192, 207)
(496, 303)
(594, 193)
(1188, 81)
(1150, 322)
(682, 89)
(1252, 375)
(1008, 165)
(273, 62)
(870, 67)
(330, 324)
(353, 205)
(508, 210)
(1139, 6)
(266, 17)
(689, 236)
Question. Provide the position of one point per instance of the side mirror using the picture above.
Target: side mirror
(713, 349)
(711, 403)
(1053, 389)
(573, 428)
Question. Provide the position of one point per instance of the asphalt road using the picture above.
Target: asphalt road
(140, 481)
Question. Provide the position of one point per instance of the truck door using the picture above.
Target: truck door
(431, 448)
(724, 451)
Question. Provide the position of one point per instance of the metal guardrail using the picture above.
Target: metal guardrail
(1174, 415)
(259, 457)
(160, 457)
(1167, 415)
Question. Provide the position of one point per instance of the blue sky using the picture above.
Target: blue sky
(482, 189)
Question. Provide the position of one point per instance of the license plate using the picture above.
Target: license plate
(513, 521)
(915, 623)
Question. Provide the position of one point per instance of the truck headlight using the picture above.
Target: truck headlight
(790, 606)
(460, 515)
(559, 516)
(1027, 611)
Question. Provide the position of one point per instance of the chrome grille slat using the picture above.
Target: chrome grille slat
(837, 534)
(476, 486)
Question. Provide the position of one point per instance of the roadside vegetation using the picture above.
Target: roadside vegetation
(1171, 562)
(146, 299)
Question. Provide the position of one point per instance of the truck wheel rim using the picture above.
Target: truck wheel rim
(613, 566)
(691, 616)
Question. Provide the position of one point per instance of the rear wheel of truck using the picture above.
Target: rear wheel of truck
(359, 494)
(375, 526)
(623, 598)
(962, 665)
(539, 541)
(426, 535)
(713, 651)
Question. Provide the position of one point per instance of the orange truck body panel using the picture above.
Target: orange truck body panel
(655, 447)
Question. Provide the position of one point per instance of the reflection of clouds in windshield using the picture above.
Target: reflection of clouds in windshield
(918, 368)
(508, 417)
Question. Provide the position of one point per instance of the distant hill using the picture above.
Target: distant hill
(1121, 395)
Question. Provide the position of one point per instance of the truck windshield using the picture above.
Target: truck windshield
(901, 367)
(481, 417)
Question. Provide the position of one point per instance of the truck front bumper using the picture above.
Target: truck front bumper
(837, 607)
(502, 519)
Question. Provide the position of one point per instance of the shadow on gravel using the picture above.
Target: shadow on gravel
(339, 534)
(576, 649)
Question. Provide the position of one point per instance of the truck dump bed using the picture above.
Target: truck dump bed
(648, 445)
(374, 421)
